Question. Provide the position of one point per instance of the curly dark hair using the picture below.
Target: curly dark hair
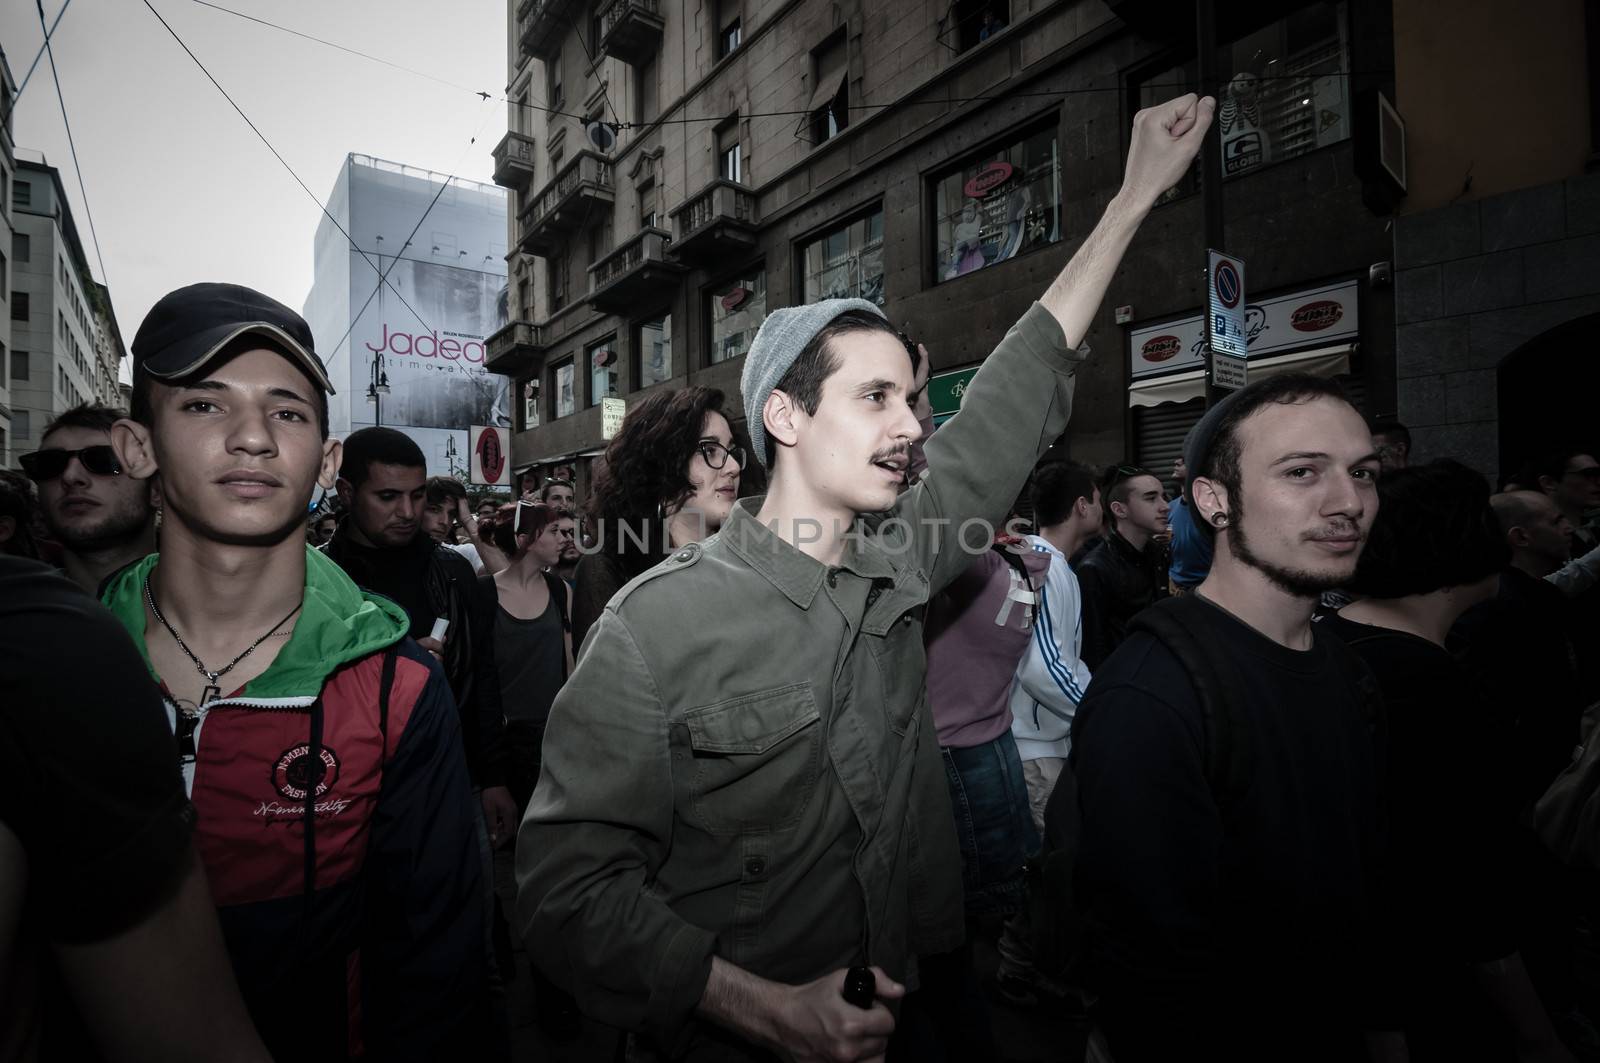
(644, 470)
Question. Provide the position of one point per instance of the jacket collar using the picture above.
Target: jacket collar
(338, 623)
(799, 577)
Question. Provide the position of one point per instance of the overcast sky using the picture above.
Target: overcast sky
(180, 189)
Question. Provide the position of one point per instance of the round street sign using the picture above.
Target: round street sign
(1228, 286)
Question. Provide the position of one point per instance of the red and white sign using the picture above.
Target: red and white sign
(988, 179)
(491, 456)
(1312, 317)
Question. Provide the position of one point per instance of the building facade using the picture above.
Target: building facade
(678, 169)
(408, 351)
(1497, 247)
(54, 359)
(8, 252)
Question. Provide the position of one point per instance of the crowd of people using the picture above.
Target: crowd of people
(737, 757)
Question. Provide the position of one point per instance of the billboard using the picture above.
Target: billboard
(412, 351)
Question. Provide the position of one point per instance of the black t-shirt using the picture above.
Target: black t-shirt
(1242, 935)
(89, 780)
(1449, 896)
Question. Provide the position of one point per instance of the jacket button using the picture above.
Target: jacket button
(684, 555)
(833, 577)
(755, 866)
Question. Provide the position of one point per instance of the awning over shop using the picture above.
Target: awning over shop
(1182, 387)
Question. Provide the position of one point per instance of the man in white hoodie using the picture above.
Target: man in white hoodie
(1051, 677)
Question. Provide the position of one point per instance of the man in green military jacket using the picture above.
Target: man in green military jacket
(742, 793)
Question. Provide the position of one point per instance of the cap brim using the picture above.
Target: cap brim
(190, 356)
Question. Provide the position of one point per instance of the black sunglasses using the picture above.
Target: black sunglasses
(716, 455)
(45, 465)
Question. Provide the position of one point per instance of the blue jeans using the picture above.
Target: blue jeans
(993, 824)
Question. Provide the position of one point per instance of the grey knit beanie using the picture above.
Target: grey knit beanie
(783, 335)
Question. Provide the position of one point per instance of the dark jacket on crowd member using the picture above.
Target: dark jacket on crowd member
(1117, 583)
(1519, 648)
(429, 581)
(784, 803)
(361, 938)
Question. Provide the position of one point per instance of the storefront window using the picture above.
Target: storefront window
(530, 404)
(737, 310)
(655, 351)
(846, 263)
(562, 382)
(1286, 91)
(999, 206)
(602, 359)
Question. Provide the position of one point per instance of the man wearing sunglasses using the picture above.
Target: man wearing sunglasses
(102, 518)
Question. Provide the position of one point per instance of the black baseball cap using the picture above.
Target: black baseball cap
(189, 327)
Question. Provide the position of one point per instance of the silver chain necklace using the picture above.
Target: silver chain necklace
(212, 692)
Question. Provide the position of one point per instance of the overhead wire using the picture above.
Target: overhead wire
(940, 101)
(83, 191)
(282, 161)
(383, 278)
(36, 57)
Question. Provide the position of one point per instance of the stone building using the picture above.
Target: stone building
(680, 167)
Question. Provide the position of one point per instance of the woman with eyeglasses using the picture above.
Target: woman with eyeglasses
(669, 478)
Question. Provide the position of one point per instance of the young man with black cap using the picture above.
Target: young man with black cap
(784, 814)
(1226, 774)
(319, 745)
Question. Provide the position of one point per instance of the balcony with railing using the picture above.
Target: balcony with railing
(637, 271)
(541, 25)
(630, 30)
(718, 220)
(513, 161)
(515, 349)
(584, 185)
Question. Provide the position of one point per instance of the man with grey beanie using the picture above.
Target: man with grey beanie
(742, 793)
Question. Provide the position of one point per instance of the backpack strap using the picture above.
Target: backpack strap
(558, 591)
(1186, 627)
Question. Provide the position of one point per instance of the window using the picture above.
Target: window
(737, 310)
(559, 270)
(21, 420)
(602, 358)
(729, 35)
(1286, 92)
(649, 218)
(524, 300)
(730, 160)
(530, 404)
(553, 90)
(648, 87)
(830, 93)
(561, 385)
(846, 263)
(998, 206)
(22, 196)
(654, 351)
(19, 303)
(600, 241)
(971, 22)
(3, 285)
